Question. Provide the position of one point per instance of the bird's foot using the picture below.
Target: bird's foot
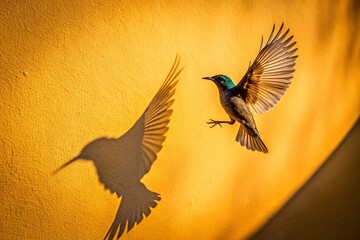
(214, 123)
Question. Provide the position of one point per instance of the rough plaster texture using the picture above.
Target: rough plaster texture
(73, 71)
(327, 206)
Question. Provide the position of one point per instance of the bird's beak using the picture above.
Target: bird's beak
(66, 164)
(208, 78)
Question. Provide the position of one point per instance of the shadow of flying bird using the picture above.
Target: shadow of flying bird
(262, 86)
(121, 163)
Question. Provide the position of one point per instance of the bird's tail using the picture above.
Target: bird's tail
(135, 203)
(251, 141)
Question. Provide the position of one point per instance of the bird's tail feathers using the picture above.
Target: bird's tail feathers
(250, 141)
(135, 204)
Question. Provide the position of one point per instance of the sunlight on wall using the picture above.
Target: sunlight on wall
(78, 70)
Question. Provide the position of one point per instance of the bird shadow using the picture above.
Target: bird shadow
(122, 162)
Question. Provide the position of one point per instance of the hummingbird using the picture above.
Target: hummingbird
(122, 162)
(262, 86)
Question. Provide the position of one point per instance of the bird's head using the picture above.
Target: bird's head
(222, 82)
(89, 152)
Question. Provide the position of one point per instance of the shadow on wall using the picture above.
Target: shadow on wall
(328, 205)
(121, 163)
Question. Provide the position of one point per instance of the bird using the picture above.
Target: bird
(260, 89)
(122, 162)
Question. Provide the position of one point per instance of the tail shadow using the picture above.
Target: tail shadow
(121, 163)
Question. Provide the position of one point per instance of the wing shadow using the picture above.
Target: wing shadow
(121, 163)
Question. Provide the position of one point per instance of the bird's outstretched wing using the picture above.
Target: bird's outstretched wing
(270, 75)
(157, 117)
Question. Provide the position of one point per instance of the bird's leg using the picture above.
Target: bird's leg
(214, 123)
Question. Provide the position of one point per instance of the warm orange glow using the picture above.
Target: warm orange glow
(74, 71)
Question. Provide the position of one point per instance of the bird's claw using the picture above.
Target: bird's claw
(214, 123)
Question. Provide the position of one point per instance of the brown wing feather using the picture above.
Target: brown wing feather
(270, 75)
(157, 117)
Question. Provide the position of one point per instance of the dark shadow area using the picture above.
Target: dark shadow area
(328, 205)
(121, 163)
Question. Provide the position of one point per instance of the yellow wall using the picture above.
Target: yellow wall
(74, 71)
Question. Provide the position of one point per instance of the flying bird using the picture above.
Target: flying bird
(262, 86)
(121, 163)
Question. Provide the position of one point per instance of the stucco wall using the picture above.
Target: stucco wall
(73, 71)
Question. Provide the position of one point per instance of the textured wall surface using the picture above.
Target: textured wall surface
(328, 205)
(74, 71)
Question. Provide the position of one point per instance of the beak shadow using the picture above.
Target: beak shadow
(65, 165)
